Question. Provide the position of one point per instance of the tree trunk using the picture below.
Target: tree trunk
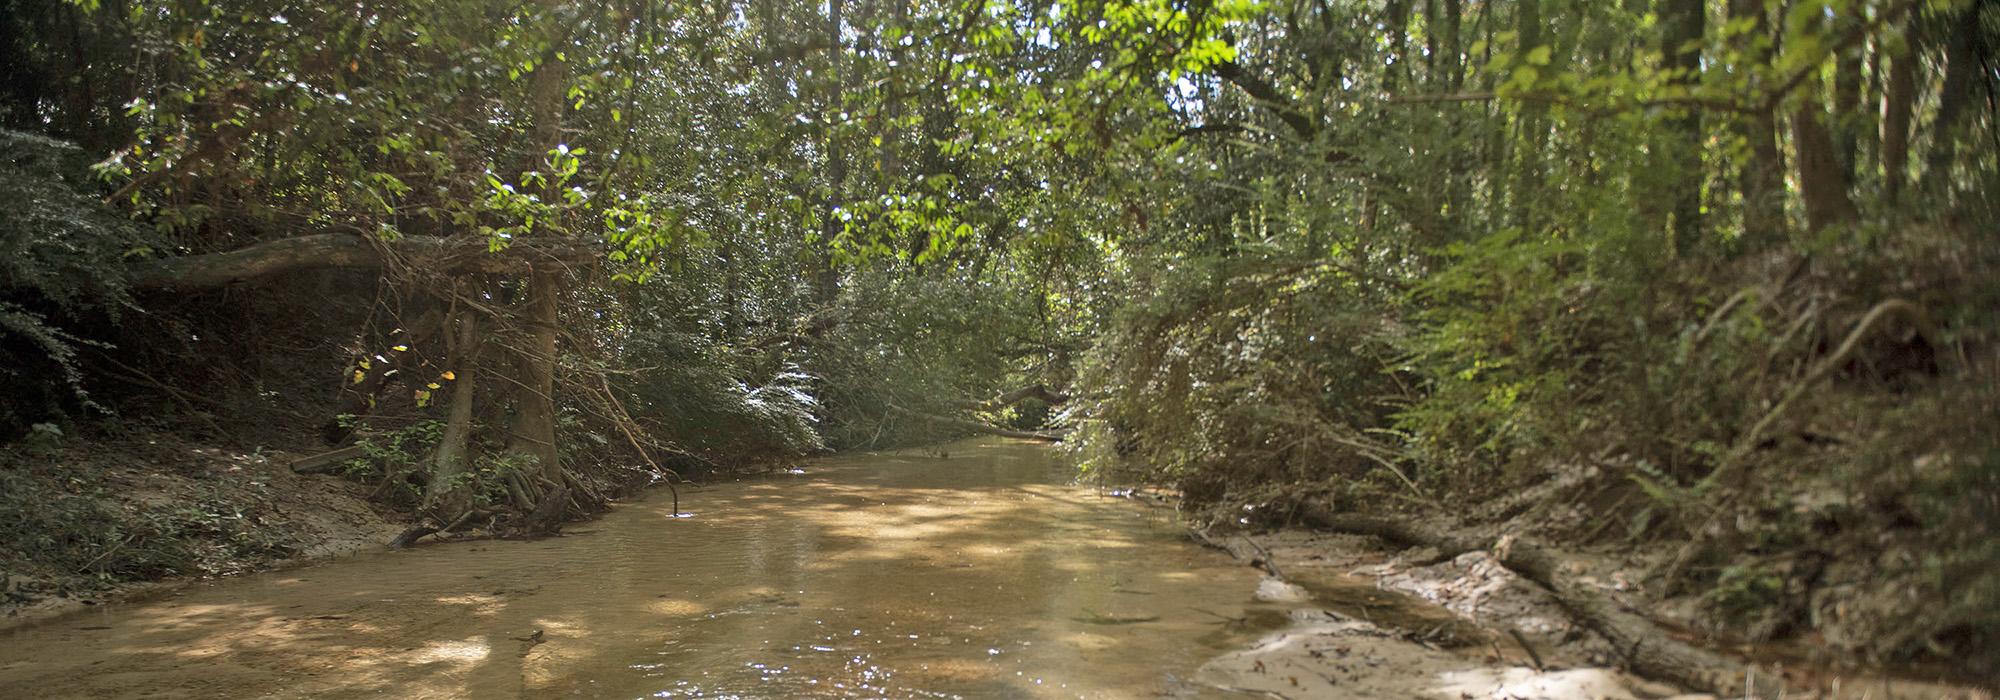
(1899, 98)
(534, 430)
(1847, 118)
(1431, 48)
(1822, 181)
(1398, 21)
(1961, 73)
(1761, 180)
(826, 279)
(1451, 63)
(1533, 125)
(1683, 24)
(547, 85)
(446, 496)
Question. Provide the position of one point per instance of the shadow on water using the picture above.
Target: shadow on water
(897, 575)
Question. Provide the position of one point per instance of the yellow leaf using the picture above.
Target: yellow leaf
(433, 385)
(448, 376)
(401, 348)
(359, 376)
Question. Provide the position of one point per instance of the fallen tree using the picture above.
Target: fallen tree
(1645, 648)
(443, 255)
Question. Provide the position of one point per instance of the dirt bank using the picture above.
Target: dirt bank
(1387, 622)
(105, 519)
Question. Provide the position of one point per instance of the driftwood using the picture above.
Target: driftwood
(327, 461)
(410, 536)
(418, 532)
(977, 427)
(342, 250)
(1645, 648)
(1240, 547)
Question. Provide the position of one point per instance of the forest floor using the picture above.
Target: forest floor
(1383, 622)
(99, 520)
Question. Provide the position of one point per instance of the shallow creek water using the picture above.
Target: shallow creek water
(978, 574)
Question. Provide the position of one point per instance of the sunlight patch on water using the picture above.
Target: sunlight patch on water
(676, 607)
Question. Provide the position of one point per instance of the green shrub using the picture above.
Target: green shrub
(62, 252)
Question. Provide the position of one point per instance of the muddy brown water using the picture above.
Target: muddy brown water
(980, 574)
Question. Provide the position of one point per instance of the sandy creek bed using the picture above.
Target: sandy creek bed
(978, 574)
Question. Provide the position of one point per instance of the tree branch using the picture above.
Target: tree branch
(1263, 91)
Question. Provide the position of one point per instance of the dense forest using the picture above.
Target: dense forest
(1711, 279)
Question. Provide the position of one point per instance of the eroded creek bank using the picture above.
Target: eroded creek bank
(978, 574)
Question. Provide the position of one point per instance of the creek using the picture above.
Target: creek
(980, 573)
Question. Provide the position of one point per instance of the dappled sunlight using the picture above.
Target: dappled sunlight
(676, 608)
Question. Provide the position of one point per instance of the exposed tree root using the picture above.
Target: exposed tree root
(1735, 464)
(548, 516)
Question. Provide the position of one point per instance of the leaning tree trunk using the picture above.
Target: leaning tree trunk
(446, 496)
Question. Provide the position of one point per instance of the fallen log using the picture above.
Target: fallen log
(1646, 649)
(410, 536)
(419, 531)
(328, 461)
(344, 250)
(977, 427)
